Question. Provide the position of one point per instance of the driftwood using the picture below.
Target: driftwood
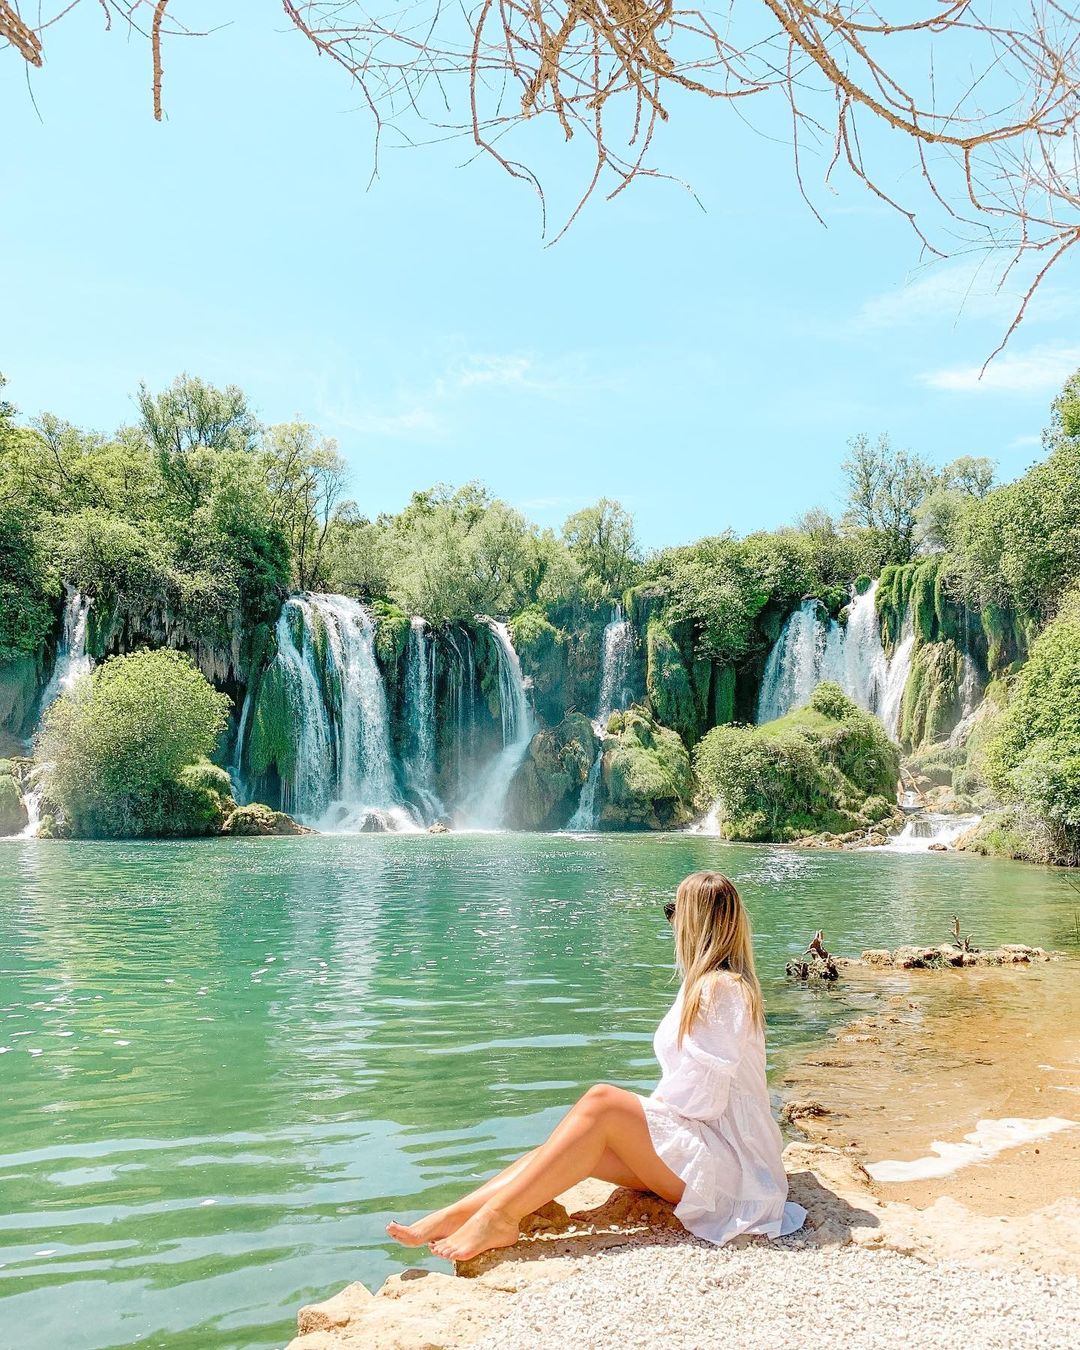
(815, 963)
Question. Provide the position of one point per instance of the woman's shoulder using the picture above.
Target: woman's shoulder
(725, 993)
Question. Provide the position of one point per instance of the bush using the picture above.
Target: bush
(129, 746)
(1033, 756)
(828, 766)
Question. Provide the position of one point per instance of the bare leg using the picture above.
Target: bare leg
(605, 1130)
(442, 1222)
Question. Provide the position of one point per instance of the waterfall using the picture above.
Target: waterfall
(71, 658)
(813, 648)
(808, 651)
(487, 806)
(343, 775)
(897, 677)
(306, 792)
(927, 829)
(461, 699)
(615, 692)
(420, 720)
(33, 794)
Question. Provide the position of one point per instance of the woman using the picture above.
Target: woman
(705, 1140)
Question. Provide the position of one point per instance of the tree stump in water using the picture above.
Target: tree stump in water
(815, 963)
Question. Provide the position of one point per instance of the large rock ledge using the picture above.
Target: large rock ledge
(423, 1310)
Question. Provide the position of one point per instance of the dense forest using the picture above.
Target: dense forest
(190, 530)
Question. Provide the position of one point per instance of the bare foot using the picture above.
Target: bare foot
(488, 1228)
(440, 1224)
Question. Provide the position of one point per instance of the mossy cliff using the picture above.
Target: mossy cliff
(646, 780)
(547, 787)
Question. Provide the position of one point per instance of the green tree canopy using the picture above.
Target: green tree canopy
(120, 741)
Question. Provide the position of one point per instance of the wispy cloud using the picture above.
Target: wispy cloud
(1021, 442)
(505, 371)
(409, 422)
(428, 409)
(1041, 369)
(956, 291)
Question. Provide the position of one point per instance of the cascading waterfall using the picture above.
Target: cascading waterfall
(615, 692)
(420, 720)
(927, 829)
(896, 678)
(71, 657)
(306, 792)
(812, 648)
(487, 807)
(461, 697)
(343, 776)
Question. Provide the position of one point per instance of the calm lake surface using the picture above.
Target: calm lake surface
(225, 1064)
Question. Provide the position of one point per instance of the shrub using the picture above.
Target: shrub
(1033, 756)
(828, 766)
(128, 747)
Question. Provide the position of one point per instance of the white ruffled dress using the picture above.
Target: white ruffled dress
(711, 1122)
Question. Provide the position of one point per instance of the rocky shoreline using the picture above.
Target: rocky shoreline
(599, 1250)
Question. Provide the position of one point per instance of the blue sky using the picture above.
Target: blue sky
(706, 367)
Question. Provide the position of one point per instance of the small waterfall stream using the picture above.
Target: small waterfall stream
(487, 806)
(420, 720)
(71, 657)
(813, 648)
(930, 829)
(615, 692)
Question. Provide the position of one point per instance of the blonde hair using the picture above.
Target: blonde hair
(712, 934)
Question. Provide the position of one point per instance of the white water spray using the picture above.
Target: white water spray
(343, 773)
(813, 648)
(420, 720)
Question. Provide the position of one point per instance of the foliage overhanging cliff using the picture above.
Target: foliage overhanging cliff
(191, 527)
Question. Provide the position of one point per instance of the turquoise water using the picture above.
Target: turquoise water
(227, 1063)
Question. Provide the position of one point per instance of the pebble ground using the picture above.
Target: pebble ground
(689, 1296)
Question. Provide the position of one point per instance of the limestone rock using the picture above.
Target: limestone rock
(545, 790)
(646, 778)
(13, 816)
(416, 1310)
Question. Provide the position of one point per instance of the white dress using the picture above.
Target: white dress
(711, 1122)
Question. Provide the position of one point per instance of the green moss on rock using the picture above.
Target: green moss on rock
(668, 682)
(12, 812)
(271, 738)
(932, 702)
(542, 650)
(646, 778)
(544, 792)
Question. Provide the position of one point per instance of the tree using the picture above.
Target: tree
(988, 110)
(454, 554)
(186, 424)
(601, 541)
(885, 490)
(970, 474)
(306, 477)
(119, 745)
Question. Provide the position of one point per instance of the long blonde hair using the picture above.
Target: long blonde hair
(712, 934)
